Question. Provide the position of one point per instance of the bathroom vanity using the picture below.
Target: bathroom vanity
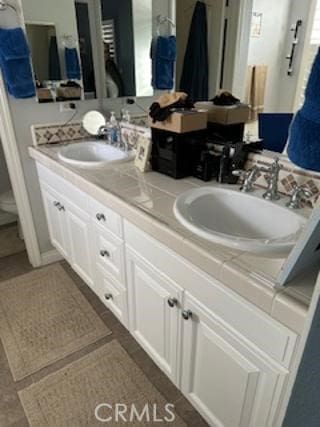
(208, 318)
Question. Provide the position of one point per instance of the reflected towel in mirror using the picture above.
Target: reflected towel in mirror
(72, 63)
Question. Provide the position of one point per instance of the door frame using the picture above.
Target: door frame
(14, 164)
(15, 169)
(302, 68)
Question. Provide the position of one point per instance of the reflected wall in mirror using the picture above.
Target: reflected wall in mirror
(86, 49)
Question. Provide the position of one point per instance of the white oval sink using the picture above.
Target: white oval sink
(92, 154)
(239, 221)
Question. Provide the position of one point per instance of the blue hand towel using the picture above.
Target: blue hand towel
(15, 63)
(163, 55)
(72, 63)
(304, 138)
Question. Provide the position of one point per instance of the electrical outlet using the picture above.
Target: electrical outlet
(66, 106)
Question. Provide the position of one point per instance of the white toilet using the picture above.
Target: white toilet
(8, 204)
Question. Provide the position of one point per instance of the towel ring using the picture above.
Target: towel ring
(69, 41)
(4, 5)
(164, 20)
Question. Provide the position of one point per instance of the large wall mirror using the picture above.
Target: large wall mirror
(86, 49)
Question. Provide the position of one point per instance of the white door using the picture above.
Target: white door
(224, 378)
(154, 307)
(55, 213)
(78, 226)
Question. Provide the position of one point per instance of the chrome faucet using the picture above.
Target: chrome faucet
(274, 171)
(103, 131)
(296, 201)
(249, 177)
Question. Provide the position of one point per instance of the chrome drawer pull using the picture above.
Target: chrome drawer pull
(187, 314)
(56, 204)
(105, 254)
(101, 217)
(61, 208)
(172, 302)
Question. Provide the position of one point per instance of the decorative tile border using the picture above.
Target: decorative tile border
(131, 133)
(56, 133)
(290, 177)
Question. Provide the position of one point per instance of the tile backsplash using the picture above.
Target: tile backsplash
(55, 133)
(290, 177)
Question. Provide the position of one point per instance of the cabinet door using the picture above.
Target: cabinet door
(154, 308)
(78, 226)
(55, 213)
(226, 379)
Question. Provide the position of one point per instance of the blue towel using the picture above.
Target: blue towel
(72, 63)
(304, 138)
(15, 63)
(163, 55)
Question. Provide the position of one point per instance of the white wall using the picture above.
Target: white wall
(269, 49)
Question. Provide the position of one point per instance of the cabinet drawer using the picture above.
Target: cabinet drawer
(112, 294)
(252, 323)
(105, 217)
(62, 186)
(110, 254)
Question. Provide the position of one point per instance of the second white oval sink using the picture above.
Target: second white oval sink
(239, 221)
(92, 154)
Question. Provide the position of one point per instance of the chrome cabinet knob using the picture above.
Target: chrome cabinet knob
(108, 297)
(61, 208)
(187, 314)
(172, 302)
(101, 217)
(104, 254)
(56, 204)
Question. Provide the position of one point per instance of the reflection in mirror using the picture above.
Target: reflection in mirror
(44, 49)
(93, 122)
(85, 49)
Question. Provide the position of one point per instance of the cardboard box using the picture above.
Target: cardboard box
(229, 115)
(182, 122)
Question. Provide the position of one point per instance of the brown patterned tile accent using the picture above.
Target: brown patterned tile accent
(290, 177)
(55, 133)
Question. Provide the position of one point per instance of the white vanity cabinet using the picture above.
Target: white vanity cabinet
(223, 376)
(230, 359)
(69, 231)
(54, 205)
(154, 307)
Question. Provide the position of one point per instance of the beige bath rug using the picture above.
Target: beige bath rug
(44, 318)
(95, 385)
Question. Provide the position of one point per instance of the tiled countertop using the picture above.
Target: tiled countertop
(147, 201)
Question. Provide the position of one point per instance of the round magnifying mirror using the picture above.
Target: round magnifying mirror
(93, 121)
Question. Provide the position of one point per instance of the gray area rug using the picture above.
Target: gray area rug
(108, 375)
(44, 318)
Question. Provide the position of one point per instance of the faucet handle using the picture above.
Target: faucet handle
(299, 192)
(249, 177)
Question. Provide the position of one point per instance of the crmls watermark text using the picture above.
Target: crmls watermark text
(106, 413)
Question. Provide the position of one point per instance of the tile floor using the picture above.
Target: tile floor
(10, 241)
(11, 412)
